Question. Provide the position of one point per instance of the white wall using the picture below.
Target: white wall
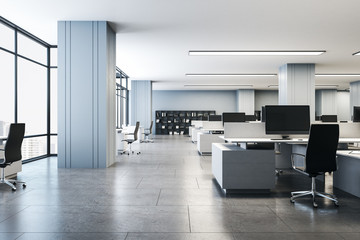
(220, 101)
(263, 98)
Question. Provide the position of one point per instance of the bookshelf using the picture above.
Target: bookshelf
(177, 122)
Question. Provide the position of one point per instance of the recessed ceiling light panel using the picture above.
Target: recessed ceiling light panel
(228, 75)
(254, 53)
(218, 85)
(338, 75)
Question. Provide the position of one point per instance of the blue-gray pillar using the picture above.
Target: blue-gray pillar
(245, 99)
(141, 103)
(326, 102)
(86, 94)
(297, 85)
(354, 96)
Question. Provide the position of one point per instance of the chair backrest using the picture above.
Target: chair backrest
(13, 142)
(151, 126)
(136, 131)
(321, 148)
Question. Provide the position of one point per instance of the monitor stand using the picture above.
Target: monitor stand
(282, 138)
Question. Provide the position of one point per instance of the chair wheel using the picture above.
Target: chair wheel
(336, 203)
(13, 189)
(315, 205)
(292, 200)
(14, 183)
(24, 185)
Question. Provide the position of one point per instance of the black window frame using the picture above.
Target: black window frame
(18, 30)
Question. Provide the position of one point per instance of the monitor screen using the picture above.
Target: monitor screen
(329, 118)
(214, 117)
(249, 118)
(287, 119)
(356, 116)
(233, 117)
(263, 117)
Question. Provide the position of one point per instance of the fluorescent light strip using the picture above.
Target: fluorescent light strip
(338, 75)
(255, 53)
(228, 75)
(218, 85)
(356, 54)
(326, 85)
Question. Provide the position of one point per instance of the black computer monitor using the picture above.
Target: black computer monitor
(233, 117)
(356, 114)
(329, 118)
(249, 118)
(263, 116)
(214, 117)
(287, 119)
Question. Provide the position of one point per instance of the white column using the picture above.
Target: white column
(86, 94)
(297, 86)
(354, 96)
(326, 102)
(245, 101)
(141, 103)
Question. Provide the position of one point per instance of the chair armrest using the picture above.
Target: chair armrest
(293, 161)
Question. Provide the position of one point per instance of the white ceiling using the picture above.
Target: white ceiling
(154, 36)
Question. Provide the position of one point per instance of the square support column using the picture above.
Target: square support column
(245, 101)
(297, 86)
(86, 94)
(141, 103)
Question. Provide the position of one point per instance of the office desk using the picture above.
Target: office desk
(236, 167)
(205, 139)
(347, 176)
(289, 141)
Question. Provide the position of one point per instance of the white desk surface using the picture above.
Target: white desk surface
(292, 140)
(349, 153)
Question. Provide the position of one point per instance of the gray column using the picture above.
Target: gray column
(354, 96)
(245, 101)
(297, 85)
(326, 102)
(86, 94)
(141, 103)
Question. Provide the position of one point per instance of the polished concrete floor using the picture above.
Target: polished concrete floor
(166, 192)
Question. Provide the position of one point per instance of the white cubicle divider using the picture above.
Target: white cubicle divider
(212, 125)
(349, 130)
(257, 130)
(246, 130)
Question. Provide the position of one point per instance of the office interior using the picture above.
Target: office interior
(82, 80)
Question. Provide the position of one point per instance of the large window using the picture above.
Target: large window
(122, 98)
(28, 89)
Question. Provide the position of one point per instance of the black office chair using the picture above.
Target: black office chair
(12, 152)
(133, 139)
(147, 133)
(320, 158)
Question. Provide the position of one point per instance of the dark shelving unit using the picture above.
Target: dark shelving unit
(177, 122)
